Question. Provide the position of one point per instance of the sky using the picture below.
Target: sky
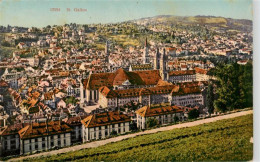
(28, 13)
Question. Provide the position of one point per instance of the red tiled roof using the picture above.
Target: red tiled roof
(103, 119)
(200, 71)
(72, 121)
(95, 81)
(3, 83)
(41, 129)
(183, 72)
(12, 129)
(181, 89)
(148, 111)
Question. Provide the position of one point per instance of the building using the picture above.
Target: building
(9, 139)
(202, 74)
(76, 125)
(182, 76)
(183, 94)
(163, 115)
(161, 63)
(141, 67)
(44, 136)
(11, 77)
(3, 115)
(102, 125)
(146, 58)
(187, 96)
(107, 52)
(121, 79)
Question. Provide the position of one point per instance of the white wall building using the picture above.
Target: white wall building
(174, 94)
(41, 136)
(163, 115)
(102, 125)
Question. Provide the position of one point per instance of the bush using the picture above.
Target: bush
(6, 44)
(193, 114)
(151, 122)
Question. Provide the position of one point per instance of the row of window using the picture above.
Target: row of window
(36, 146)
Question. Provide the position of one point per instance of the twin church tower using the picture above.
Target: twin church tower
(160, 60)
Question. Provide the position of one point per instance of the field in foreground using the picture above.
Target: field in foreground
(222, 140)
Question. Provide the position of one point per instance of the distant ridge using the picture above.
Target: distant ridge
(211, 21)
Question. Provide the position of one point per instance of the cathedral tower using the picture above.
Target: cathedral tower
(107, 52)
(163, 65)
(146, 59)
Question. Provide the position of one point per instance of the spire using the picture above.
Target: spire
(106, 48)
(146, 53)
(107, 52)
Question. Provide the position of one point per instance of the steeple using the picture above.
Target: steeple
(156, 59)
(107, 52)
(163, 65)
(146, 59)
(106, 48)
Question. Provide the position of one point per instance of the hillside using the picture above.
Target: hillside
(222, 140)
(211, 21)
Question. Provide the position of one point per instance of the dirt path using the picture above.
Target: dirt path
(119, 138)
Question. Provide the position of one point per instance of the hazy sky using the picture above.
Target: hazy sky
(37, 12)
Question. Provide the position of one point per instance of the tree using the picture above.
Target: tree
(71, 100)
(133, 126)
(235, 87)
(210, 99)
(113, 133)
(220, 105)
(6, 44)
(246, 84)
(151, 122)
(193, 114)
(176, 118)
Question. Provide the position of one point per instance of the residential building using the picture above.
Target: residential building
(174, 94)
(44, 136)
(102, 125)
(163, 115)
(182, 76)
(9, 139)
(76, 125)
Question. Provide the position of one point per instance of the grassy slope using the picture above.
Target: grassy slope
(5, 52)
(221, 140)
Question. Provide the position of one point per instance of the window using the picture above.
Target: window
(12, 142)
(13, 147)
(36, 146)
(43, 139)
(43, 145)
